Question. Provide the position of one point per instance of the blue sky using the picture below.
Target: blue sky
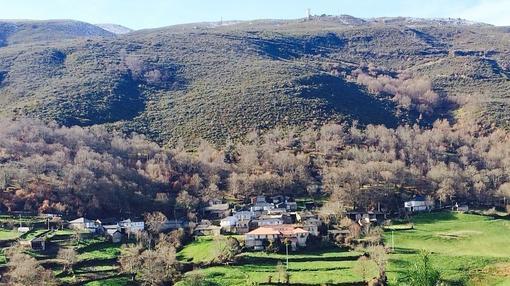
(138, 14)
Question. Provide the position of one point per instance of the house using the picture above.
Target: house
(114, 232)
(244, 215)
(258, 238)
(116, 236)
(269, 220)
(258, 207)
(418, 204)
(262, 236)
(258, 200)
(291, 206)
(228, 223)
(217, 210)
(38, 243)
(206, 228)
(132, 226)
(235, 225)
(85, 224)
(312, 225)
(23, 229)
(338, 235)
(173, 224)
(367, 217)
(278, 199)
(242, 226)
(460, 208)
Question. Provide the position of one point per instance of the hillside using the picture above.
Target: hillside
(114, 28)
(215, 81)
(28, 31)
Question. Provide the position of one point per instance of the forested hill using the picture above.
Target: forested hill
(221, 80)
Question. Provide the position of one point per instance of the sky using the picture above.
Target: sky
(141, 14)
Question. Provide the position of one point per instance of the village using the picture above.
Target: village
(268, 225)
(261, 222)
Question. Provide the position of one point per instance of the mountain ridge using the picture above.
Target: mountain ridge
(216, 82)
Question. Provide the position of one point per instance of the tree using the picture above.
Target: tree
(26, 270)
(154, 222)
(379, 256)
(364, 267)
(130, 260)
(68, 257)
(421, 273)
(158, 267)
(227, 249)
(174, 238)
(194, 279)
(281, 271)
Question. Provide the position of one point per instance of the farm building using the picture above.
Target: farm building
(418, 204)
(84, 224)
(206, 229)
(132, 226)
(38, 243)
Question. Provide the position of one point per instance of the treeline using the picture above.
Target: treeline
(95, 172)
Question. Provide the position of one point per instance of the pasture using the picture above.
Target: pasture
(466, 248)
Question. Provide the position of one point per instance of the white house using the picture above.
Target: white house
(244, 215)
(418, 204)
(23, 229)
(228, 223)
(258, 238)
(84, 224)
(132, 226)
(262, 206)
(235, 225)
(269, 221)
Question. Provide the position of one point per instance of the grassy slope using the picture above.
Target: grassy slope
(463, 245)
(8, 234)
(311, 267)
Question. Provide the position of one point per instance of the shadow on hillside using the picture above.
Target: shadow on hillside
(274, 260)
(96, 262)
(401, 250)
(349, 99)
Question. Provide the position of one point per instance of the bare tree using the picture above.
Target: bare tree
(155, 222)
(26, 270)
(379, 256)
(364, 267)
(130, 260)
(69, 257)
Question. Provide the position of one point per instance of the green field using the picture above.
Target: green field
(466, 248)
(8, 234)
(312, 267)
(200, 250)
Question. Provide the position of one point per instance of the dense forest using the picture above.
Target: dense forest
(93, 171)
